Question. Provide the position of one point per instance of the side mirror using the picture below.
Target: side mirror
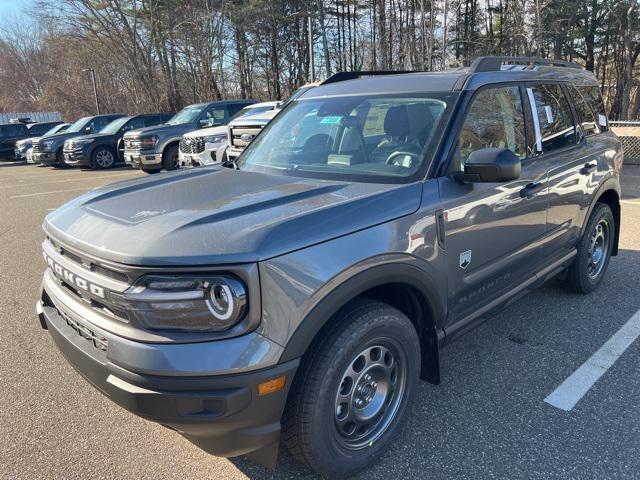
(88, 130)
(491, 165)
(211, 122)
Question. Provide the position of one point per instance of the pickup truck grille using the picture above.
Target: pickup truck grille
(241, 136)
(36, 148)
(192, 145)
(132, 144)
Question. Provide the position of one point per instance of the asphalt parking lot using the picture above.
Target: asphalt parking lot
(488, 418)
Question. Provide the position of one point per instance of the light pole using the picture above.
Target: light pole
(95, 88)
(312, 67)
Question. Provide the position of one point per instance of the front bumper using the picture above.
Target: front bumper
(213, 154)
(47, 158)
(76, 157)
(143, 159)
(222, 414)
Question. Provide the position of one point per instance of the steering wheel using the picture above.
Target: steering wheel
(402, 153)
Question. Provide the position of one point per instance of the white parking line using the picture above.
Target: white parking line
(55, 191)
(75, 179)
(579, 382)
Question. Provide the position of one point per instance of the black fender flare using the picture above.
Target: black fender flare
(611, 183)
(431, 299)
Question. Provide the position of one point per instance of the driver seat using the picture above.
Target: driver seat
(397, 129)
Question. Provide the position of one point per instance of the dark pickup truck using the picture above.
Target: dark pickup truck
(106, 148)
(10, 133)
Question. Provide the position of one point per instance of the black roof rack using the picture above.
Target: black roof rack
(494, 64)
(342, 76)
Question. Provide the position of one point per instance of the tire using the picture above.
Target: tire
(150, 171)
(60, 163)
(321, 431)
(594, 251)
(103, 158)
(170, 158)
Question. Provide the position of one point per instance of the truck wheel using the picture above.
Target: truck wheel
(353, 390)
(170, 158)
(594, 251)
(60, 163)
(103, 158)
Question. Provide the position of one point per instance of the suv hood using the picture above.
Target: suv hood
(60, 137)
(214, 215)
(160, 130)
(205, 132)
(95, 136)
(256, 119)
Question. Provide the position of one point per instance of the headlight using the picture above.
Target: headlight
(47, 146)
(207, 303)
(147, 143)
(215, 138)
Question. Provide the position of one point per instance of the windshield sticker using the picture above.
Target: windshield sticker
(332, 120)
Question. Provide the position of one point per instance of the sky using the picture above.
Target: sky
(13, 6)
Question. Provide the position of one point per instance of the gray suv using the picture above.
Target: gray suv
(301, 297)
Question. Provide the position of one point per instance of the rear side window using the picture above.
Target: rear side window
(552, 118)
(593, 98)
(134, 123)
(494, 120)
(39, 129)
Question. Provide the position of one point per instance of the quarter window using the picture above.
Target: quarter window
(494, 120)
(552, 118)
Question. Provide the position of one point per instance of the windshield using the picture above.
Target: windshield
(79, 125)
(57, 129)
(114, 126)
(372, 136)
(186, 115)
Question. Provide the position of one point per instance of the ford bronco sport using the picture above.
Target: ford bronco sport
(300, 297)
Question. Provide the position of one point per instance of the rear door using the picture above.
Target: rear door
(491, 229)
(570, 159)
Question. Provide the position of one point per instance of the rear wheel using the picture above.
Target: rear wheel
(170, 158)
(594, 251)
(102, 158)
(353, 390)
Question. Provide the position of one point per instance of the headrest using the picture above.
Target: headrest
(396, 122)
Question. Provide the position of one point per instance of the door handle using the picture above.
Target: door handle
(588, 168)
(531, 189)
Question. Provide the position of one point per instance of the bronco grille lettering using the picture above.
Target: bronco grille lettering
(73, 279)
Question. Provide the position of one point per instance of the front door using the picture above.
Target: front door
(492, 230)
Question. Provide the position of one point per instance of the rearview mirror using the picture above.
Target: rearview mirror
(491, 165)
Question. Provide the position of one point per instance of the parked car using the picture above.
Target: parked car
(23, 146)
(155, 148)
(241, 131)
(106, 148)
(208, 146)
(308, 291)
(10, 133)
(48, 150)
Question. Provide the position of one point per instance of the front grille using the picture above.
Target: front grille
(132, 144)
(248, 132)
(36, 148)
(87, 263)
(192, 145)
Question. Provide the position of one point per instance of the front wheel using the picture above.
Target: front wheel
(594, 251)
(103, 158)
(170, 158)
(353, 390)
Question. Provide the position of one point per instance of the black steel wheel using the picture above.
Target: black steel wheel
(594, 251)
(353, 389)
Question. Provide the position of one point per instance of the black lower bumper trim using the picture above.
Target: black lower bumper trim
(223, 415)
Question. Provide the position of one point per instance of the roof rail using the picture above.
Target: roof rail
(342, 76)
(494, 64)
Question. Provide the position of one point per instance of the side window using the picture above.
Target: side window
(133, 124)
(235, 108)
(218, 114)
(593, 97)
(495, 119)
(101, 122)
(587, 117)
(552, 118)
